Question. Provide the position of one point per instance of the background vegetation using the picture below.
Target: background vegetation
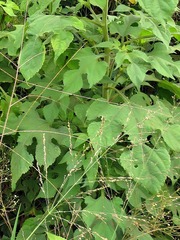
(89, 120)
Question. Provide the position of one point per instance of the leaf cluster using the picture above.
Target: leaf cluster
(89, 104)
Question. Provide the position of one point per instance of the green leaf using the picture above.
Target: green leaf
(172, 87)
(159, 9)
(60, 42)
(119, 59)
(51, 112)
(171, 135)
(15, 39)
(99, 3)
(28, 227)
(136, 73)
(90, 65)
(40, 24)
(32, 57)
(54, 237)
(21, 161)
(161, 32)
(8, 7)
(161, 60)
(46, 150)
(148, 167)
(55, 179)
(72, 81)
(103, 134)
(101, 213)
(122, 8)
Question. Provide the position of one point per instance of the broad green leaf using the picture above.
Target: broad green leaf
(15, 39)
(159, 9)
(148, 167)
(103, 213)
(12, 5)
(171, 135)
(73, 160)
(139, 122)
(161, 60)
(99, 3)
(161, 32)
(80, 139)
(119, 59)
(90, 65)
(46, 151)
(103, 134)
(72, 81)
(28, 227)
(124, 27)
(54, 237)
(43, 4)
(40, 24)
(21, 161)
(102, 230)
(8, 7)
(60, 42)
(9, 11)
(32, 57)
(6, 72)
(101, 108)
(101, 209)
(136, 73)
(80, 111)
(51, 112)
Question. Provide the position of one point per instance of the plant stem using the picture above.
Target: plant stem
(105, 92)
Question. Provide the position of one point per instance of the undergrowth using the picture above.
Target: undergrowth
(89, 103)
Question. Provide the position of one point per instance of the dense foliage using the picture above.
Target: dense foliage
(89, 124)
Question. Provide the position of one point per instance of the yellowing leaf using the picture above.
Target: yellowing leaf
(133, 1)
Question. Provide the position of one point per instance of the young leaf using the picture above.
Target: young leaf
(148, 167)
(32, 57)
